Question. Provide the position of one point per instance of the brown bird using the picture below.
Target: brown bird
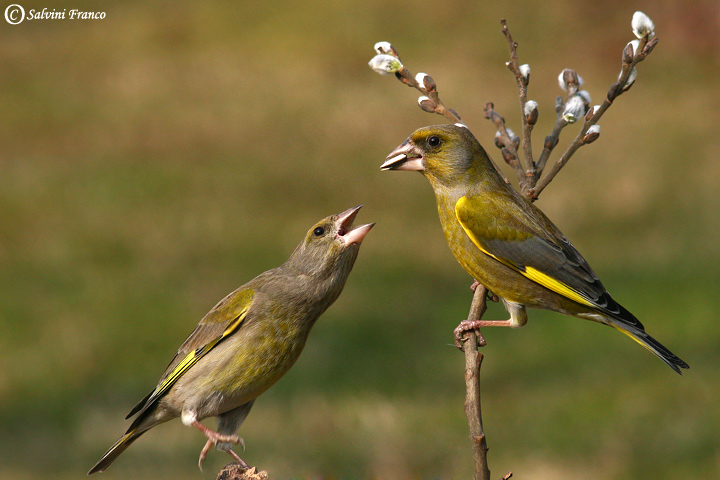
(248, 340)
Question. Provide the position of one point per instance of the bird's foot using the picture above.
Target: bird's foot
(476, 325)
(490, 296)
(466, 326)
(204, 452)
(224, 441)
(237, 458)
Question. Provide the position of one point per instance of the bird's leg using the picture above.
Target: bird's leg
(214, 438)
(237, 458)
(518, 318)
(204, 452)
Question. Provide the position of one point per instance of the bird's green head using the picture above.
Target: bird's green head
(445, 154)
(330, 247)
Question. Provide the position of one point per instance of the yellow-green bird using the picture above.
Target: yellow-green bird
(505, 242)
(249, 340)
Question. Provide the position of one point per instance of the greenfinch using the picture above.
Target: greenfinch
(249, 340)
(505, 242)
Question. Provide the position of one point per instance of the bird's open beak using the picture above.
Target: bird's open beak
(346, 232)
(404, 157)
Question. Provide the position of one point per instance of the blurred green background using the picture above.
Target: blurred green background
(153, 161)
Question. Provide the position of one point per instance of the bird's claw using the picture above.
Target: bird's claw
(490, 296)
(237, 457)
(215, 438)
(230, 451)
(466, 326)
(204, 452)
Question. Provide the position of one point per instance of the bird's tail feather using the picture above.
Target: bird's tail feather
(648, 342)
(124, 442)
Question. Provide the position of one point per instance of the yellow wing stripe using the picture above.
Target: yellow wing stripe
(529, 272)
(193, 357)
(555, 285)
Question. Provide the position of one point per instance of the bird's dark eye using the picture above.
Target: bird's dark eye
(433, 141)
(318, 231)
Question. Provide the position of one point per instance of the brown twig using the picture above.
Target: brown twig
(530, 176)
(527, 122)
(629, 61)
(505, 140)
(430, 101)
(473, 411)
(551, 140)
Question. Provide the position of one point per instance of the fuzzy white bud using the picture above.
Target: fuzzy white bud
(525, 71)
(630, 51)
(426, 82)
(498, 140)
(426, 104)
(632, 77)
(642, 25)
(530, 105)
(530, 109)
(574, 109)
(383, 47)
(461, 125)
(561, 79)
(511, 135)
(630, 80)
(592, 134)
(385, 64)
(635, 44)
(585, 95)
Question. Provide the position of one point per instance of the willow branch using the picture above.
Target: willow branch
(431, 103)
(473, 411)
(387, 61)
(551, 141)
(505, 140)
(530, 175)
(630, 58)
(522, 82)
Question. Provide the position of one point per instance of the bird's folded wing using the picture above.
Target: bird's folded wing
(523, 238)
(223, 320)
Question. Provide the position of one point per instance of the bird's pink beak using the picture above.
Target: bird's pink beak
(346, 232)
(404, 157)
